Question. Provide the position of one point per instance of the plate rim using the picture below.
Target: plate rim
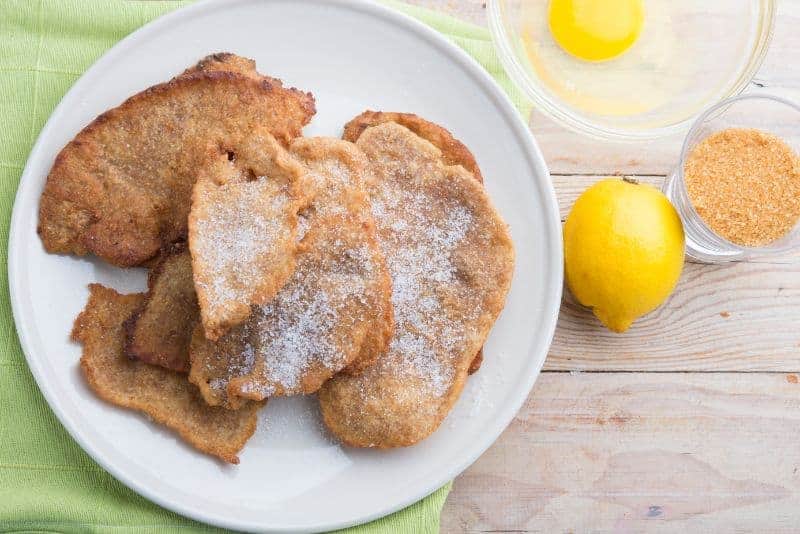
(552, 293)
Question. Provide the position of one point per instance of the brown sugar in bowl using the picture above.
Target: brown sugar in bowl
(745, 184)
(737, 184)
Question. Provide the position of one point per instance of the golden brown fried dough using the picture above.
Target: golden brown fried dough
(321, 155)
(225, 61)
(121, 188)
(454, 152)
(451, 260)
(317, 324)
(242, 230)
(167, 397)
(215, 363)
(159, 332)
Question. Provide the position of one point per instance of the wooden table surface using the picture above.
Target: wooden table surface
(690, 421)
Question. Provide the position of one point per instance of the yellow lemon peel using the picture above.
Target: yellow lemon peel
(623, 250)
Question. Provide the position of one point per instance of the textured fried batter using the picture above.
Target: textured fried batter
(242, 230)
(320, 154)
(214, 363)
(225, 61)
(167, 397)
(159, 332)
(318, 323)
(121, 188)
(454, 152)
(451, 260)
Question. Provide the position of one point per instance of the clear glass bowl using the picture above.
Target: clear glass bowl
(690, 54)
(764, 112)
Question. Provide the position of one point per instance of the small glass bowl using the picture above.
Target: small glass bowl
(763, 112)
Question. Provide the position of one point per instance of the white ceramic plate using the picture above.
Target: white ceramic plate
(293, 476)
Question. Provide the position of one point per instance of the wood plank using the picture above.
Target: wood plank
(567, 152)
(779, 69)
(734, 317)
(630, 452)
(741, 317)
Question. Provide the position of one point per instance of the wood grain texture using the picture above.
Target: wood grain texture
(634, 452)
(645, 451)
(741, 317)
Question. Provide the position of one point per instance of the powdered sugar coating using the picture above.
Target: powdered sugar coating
(233, 238)
(450, 258)
(242, 229)
(318, 322)
(419, 245)
(314, 325)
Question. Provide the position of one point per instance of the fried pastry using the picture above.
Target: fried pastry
(242, 229)
(321, 155)
(337, 298)
(121, 188)
(454, 152)
(451, 261)
(225, 61)
(159, 331)
(165, 396)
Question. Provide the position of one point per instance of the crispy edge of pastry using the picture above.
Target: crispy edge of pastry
(476, 362)
(99, 329)
(454, 152)
(135, 346)
(66, 226)
(225, 61)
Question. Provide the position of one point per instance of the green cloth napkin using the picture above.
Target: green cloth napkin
(47, 483)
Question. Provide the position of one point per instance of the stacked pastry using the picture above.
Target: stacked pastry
(368, 270)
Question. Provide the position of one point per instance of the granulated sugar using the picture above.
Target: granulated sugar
(745, 184)
(451, 260)
(315, 325)
(235, 236)
(303, 335)
(297, 330)
(418, 256)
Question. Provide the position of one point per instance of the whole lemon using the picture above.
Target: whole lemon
(623, 250)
